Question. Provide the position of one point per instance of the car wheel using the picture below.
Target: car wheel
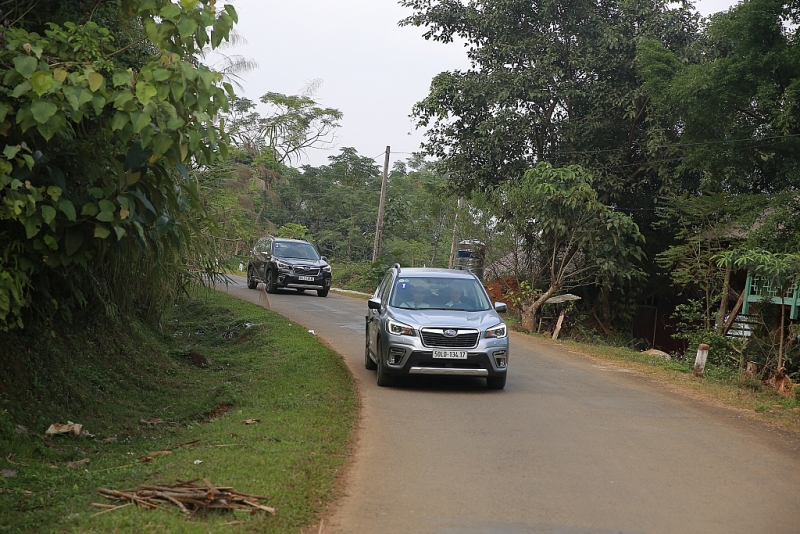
(322, 292)
(270, 282)
(252, 283)
(496, 382)
(369, 364)
(384, 380)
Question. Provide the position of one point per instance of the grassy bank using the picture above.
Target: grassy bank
(186, 388)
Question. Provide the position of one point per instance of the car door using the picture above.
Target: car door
(266, 257)
(374, 316)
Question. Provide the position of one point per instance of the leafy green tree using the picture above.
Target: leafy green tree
(551, 81)
(96, 205)
(293, 231)
(704, 226)
(294, 124)
(736, 104)
(573, 237)
(557, 82)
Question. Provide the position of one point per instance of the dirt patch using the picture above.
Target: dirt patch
(198, 360)
(505, 290)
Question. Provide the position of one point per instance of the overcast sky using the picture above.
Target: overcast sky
(371, 69)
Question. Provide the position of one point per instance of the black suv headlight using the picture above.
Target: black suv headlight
(497, 332)
(399, 329)
(282, 265)
(326, 269)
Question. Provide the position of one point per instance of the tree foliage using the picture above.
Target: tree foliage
(551, 81)
(575, 238)
(736, 104)
(294, 124)
(97, 206)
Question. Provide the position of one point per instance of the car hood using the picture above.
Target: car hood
(447, 318)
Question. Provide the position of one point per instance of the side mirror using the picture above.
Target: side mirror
(500, 307)
(374, 304)
(324, 258)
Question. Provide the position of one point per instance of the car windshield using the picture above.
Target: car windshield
(437, 293)
(303, 251)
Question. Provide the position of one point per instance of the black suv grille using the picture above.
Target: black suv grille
(465, 339)
(306, 271)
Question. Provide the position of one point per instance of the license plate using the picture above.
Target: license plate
(450, 354)
(306, 278)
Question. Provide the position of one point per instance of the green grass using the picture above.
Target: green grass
(110, 376)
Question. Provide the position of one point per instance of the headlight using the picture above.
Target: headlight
(326, 269)
(496, 332)
(282, 265)
(399, 329)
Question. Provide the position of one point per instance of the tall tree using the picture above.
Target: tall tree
(737, 104)
(573, 237)
(551, 81)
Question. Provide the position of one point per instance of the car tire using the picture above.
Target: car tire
(252, 283)
(383, 379)
(369, 364)
(322, 292)
(270, 282)
(496, 382)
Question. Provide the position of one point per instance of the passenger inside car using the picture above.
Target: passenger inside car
(419, 298)
(455, 293)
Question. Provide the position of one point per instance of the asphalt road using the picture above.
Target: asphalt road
(569, 447)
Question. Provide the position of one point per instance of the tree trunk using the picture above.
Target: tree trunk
(529, 309)
(734, 313)
(780, 333)
(723, 305)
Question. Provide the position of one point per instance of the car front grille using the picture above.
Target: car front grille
(464, 339)
(306, 271)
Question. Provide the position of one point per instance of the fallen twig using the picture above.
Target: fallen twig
(108, 507)
(190, 497)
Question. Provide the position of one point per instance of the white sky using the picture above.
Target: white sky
(371, 69)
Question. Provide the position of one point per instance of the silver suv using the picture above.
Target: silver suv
(435, 322)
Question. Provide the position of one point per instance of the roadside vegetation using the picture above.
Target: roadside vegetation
(637, 156)
(186, 388)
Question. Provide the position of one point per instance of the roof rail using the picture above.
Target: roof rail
(396, 266)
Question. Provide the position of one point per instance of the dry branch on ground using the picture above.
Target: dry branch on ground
(189, 497)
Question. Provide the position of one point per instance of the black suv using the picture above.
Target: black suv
(288, 263)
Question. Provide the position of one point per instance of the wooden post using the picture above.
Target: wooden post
(558, 324)
(376, 249)
(700, 360)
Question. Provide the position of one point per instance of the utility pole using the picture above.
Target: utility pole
(376, 249)
(454, 246)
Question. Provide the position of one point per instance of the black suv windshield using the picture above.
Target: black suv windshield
(302, 251)
(459, 294)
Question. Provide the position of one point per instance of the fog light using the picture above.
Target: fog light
(396, 355)
(500, 359)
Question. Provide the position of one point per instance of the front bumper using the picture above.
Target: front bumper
(489, 358)
(289, 279)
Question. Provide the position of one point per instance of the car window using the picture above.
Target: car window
(462, 294)
(303, 251)
(387, 286)
(262, 245)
